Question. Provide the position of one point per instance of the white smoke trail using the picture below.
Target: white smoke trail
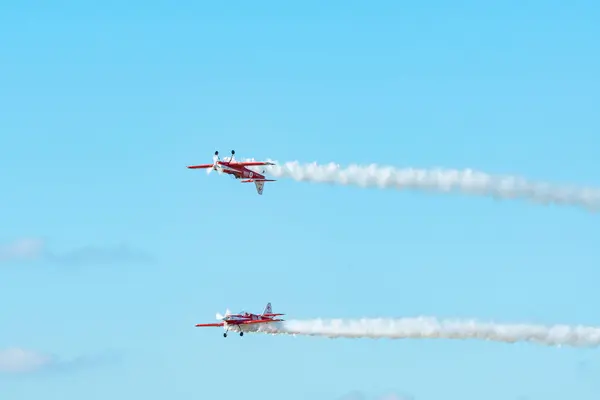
(429, 328)
(440, 180)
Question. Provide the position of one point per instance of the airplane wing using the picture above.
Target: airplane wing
(258, 321)
(250, 163)
(207, 325)
(200, 166)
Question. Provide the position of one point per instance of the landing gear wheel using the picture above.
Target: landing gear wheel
(241, 333)
(224, 335)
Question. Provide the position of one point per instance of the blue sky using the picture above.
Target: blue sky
(104, 106)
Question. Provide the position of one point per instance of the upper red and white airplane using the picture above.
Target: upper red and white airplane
(243, 321)
(238, 169)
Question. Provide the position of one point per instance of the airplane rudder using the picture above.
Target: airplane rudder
(268, 309)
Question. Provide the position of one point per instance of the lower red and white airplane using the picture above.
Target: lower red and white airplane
(243, 321)
(238, 169)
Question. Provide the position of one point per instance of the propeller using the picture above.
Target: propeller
(215, 165)
(223, 317)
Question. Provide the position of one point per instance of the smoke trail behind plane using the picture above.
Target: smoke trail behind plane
(440, 180)
(431, 328)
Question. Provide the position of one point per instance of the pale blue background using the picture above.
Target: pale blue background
(103, 106)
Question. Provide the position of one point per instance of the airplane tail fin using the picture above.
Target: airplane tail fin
(260, 183)
(268, 309)
(259, 189)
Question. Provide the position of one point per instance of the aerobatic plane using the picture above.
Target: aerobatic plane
(238, 169)
(243, 321)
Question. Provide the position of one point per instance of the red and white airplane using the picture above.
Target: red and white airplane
(238, 169)
(243, 321)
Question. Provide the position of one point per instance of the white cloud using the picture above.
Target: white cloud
(31, 249)
(17, 360)
(22, 249)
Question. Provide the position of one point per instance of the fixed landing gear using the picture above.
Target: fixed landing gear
(225, 334)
